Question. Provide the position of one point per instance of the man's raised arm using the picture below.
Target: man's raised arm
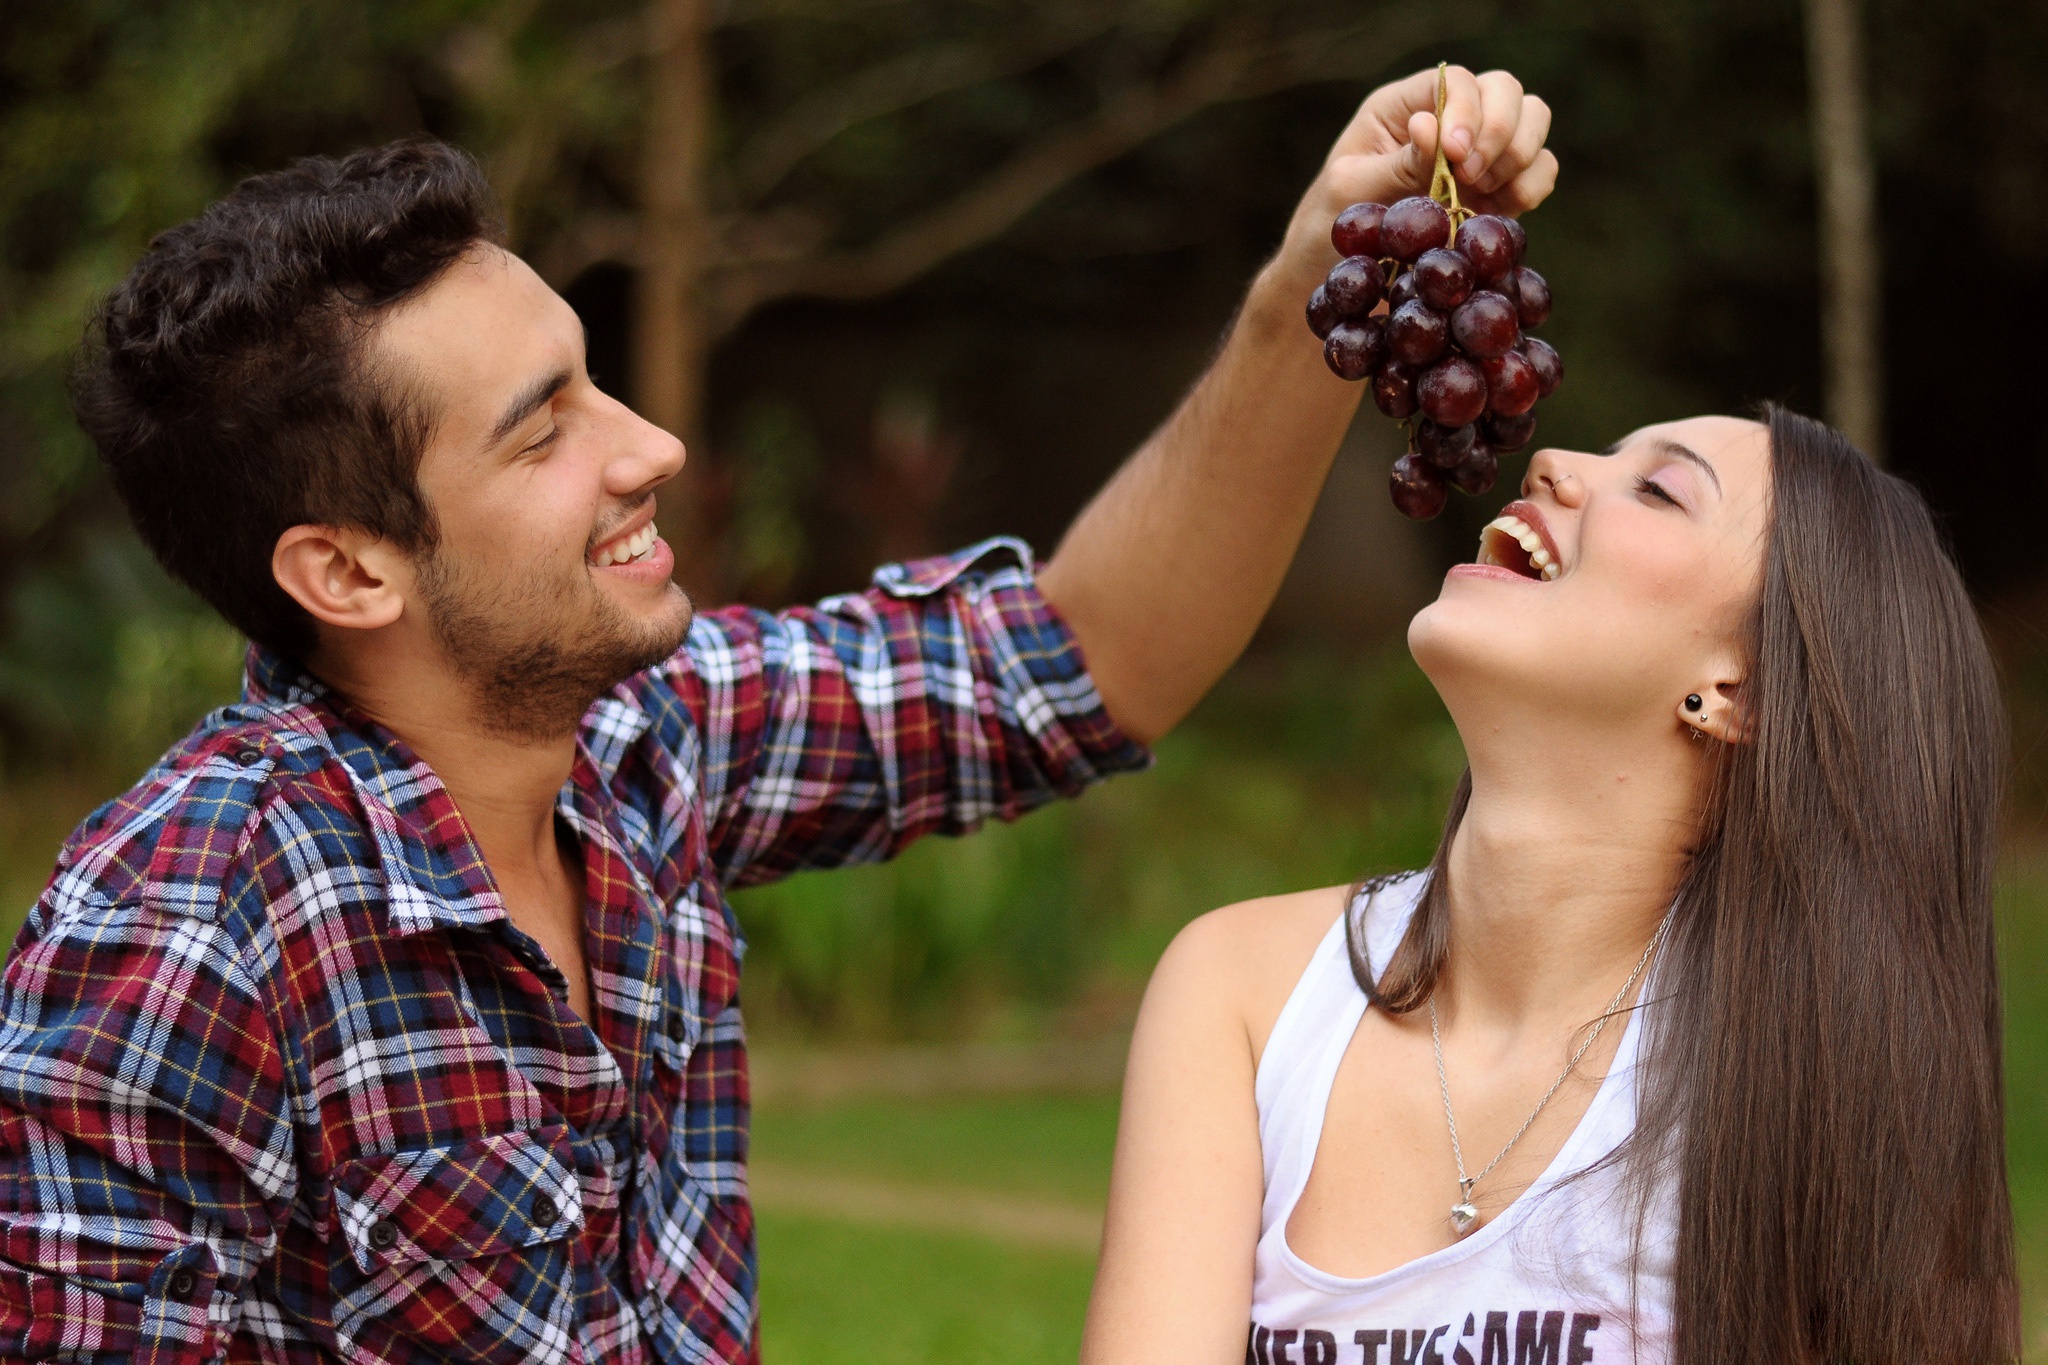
(1165, 575)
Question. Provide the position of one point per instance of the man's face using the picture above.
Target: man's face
(548, 584)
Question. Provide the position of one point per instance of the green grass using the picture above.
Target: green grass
(1057, 1147)
(833, 1294)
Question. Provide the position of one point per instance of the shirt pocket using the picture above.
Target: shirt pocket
(463, 1248)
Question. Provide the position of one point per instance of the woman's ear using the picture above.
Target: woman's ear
(341, 577)
(1720, 711)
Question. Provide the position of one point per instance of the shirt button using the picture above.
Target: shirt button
(248, 756)
(383, 1234)
(676, 1031)
(183, 1282)
(544, 1212)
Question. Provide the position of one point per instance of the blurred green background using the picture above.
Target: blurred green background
(909, 272)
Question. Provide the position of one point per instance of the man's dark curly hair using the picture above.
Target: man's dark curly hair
(226, 381)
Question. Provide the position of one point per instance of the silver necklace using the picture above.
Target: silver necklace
(1463, 1214)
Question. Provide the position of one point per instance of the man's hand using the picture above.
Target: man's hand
(1494, 142)
(1165, 575)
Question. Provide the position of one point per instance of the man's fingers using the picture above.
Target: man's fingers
(1462, 114)
(1530, 134)
(1500, 114)
(1418, 157)
(1377, 126)
(1528, 189)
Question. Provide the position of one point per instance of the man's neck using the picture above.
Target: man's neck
(504, 786)
(1564, 865)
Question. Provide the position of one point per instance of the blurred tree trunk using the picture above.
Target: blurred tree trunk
(674, 252)
(1851, 285)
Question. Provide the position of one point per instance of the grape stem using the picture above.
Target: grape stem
(1443, 186)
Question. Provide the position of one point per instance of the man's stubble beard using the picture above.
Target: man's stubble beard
(533, 662)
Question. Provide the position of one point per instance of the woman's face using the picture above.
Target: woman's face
(1646, 559)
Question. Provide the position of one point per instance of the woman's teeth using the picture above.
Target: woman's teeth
(1519, 531)
(631, 550)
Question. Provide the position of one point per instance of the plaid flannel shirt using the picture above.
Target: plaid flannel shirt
(280, 1081)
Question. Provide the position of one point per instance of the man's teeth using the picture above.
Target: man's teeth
(632, 549)
(1524, 535)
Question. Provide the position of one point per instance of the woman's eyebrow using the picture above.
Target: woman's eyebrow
(1674, 449)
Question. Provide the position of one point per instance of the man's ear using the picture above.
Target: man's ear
(342, 577)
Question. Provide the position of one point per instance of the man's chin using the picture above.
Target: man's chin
(538, 687)
(665, 630)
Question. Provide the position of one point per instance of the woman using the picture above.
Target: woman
(1686, 1045)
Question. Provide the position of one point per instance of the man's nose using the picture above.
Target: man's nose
(647, 456)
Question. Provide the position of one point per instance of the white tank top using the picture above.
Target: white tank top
(1554, 1279)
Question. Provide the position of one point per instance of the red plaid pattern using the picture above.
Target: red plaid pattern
(280, 1081)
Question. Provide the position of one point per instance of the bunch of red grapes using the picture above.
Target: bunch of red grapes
(1451, 357)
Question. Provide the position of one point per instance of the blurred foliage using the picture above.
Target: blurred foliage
(1305, 773)
(778, 465)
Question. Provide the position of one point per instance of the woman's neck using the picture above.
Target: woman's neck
(1562, 868)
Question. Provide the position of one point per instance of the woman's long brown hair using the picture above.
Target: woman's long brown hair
(1822, 1072)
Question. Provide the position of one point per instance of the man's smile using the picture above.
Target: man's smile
(631, 547)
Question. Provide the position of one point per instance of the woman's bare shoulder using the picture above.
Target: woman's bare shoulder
(1246, 958)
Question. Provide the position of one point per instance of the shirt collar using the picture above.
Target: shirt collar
(434, 872)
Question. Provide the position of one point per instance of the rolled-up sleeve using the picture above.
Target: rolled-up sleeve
(947, 694)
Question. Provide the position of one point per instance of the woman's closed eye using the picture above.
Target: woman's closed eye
(1650, 488)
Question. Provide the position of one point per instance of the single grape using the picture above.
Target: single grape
(1532, 296)
(1443, 278)
(1518, 237)
(1478, 471)
(1417, 333)
(1511, 384)
(1418, 488)
(1354, 285)
(1412, 226)
(1322, 314)
(1357, 230)
(1453, 392)
(1547, 363)
(1507, 433)
(1393, 390)
(1484, 325)
(1445, 447)
(1484, 241)
(1403, 290)
(1355, 348)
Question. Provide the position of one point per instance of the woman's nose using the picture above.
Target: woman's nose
(1551, 472)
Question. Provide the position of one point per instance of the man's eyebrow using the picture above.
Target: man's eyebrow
(530, 400)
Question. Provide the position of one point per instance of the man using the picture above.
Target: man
(393, 1015)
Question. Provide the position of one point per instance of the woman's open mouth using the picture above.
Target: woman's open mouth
(1510, 543)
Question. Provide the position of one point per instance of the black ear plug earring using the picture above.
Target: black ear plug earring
(1693, 702)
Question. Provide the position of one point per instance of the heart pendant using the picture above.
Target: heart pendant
(1463, 1216)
